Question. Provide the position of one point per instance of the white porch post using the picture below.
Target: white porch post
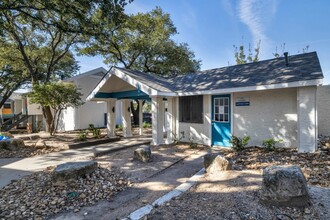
(157, 110)
(111, 117)
(140, 117)
(126, 117)
(307, 119)
(170, 119)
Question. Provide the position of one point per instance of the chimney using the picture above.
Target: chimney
(286, 58)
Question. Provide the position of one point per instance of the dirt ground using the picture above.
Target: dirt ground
(315, 166)
(147, 190)
(234, 195)
(163, 156)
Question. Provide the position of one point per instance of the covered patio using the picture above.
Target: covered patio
(120, 84)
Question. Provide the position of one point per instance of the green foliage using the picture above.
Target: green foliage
(146, 125)
(270, 144)
(192, 143)
(177, 139)
(238, 143)
(57, 96)
(96, 132)
(120, 127)
(144, 42)
(37, 38)
(147, 107)
(241, 57)
(82, 135)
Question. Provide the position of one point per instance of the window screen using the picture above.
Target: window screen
(191, 109)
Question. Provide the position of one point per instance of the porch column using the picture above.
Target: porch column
(157, 110)
(170, 118)
(307, 119)
(140, 117)
(126, 117)
(111, 117)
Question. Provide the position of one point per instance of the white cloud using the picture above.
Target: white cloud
(257, 15)
(226, 4)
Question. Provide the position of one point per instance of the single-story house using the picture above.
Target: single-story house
(90, 112)
(273, 98)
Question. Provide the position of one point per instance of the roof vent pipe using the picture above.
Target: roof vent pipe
(286, 58)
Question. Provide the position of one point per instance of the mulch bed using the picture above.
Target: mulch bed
(315, 166)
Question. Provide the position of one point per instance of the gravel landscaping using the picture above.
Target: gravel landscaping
(235, 195)
(315, 166)
(38, 196)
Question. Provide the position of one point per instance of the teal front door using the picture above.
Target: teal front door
(221, 120)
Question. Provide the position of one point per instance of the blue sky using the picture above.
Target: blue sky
(212, 27)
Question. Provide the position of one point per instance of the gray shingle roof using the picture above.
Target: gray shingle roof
(274, 71)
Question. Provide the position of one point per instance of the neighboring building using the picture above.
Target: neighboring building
(89, 112)
(17, 111)
(268, 99)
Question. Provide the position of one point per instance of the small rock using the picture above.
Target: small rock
(215, 163)
(143, 153)
(40, 144)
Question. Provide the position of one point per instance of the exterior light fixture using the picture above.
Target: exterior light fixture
(113, 109)
(129, 109)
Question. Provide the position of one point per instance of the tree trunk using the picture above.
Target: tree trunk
(135, 113)
(48, 115)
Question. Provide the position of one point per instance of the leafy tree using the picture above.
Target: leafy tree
(144, 42)
(57, 96)
(241, 57)
(83, 16)
(39, 35)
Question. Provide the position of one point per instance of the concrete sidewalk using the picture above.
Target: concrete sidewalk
(15, 168)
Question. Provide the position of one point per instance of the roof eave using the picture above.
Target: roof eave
(314, 82)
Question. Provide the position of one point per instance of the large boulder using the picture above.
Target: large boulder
(73, 170)
(215, 162)
(284, 186)
(12, 144)
(143, 153)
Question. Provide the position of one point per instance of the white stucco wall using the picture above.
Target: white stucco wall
(34, 109)
(323, 107)
(89, 112)
(201, 133)
(67, 120)
(271, 114)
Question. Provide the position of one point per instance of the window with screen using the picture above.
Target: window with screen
(221, 109)
(191, 109)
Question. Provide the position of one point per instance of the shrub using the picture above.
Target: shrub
(91, 127)
(270, 144)
(82, 135)
(119, 127)
(96, 133)
(239, 143)
(177, 139)
(192, 143)
(146, 125)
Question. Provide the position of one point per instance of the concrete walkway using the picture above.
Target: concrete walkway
(15, 168)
